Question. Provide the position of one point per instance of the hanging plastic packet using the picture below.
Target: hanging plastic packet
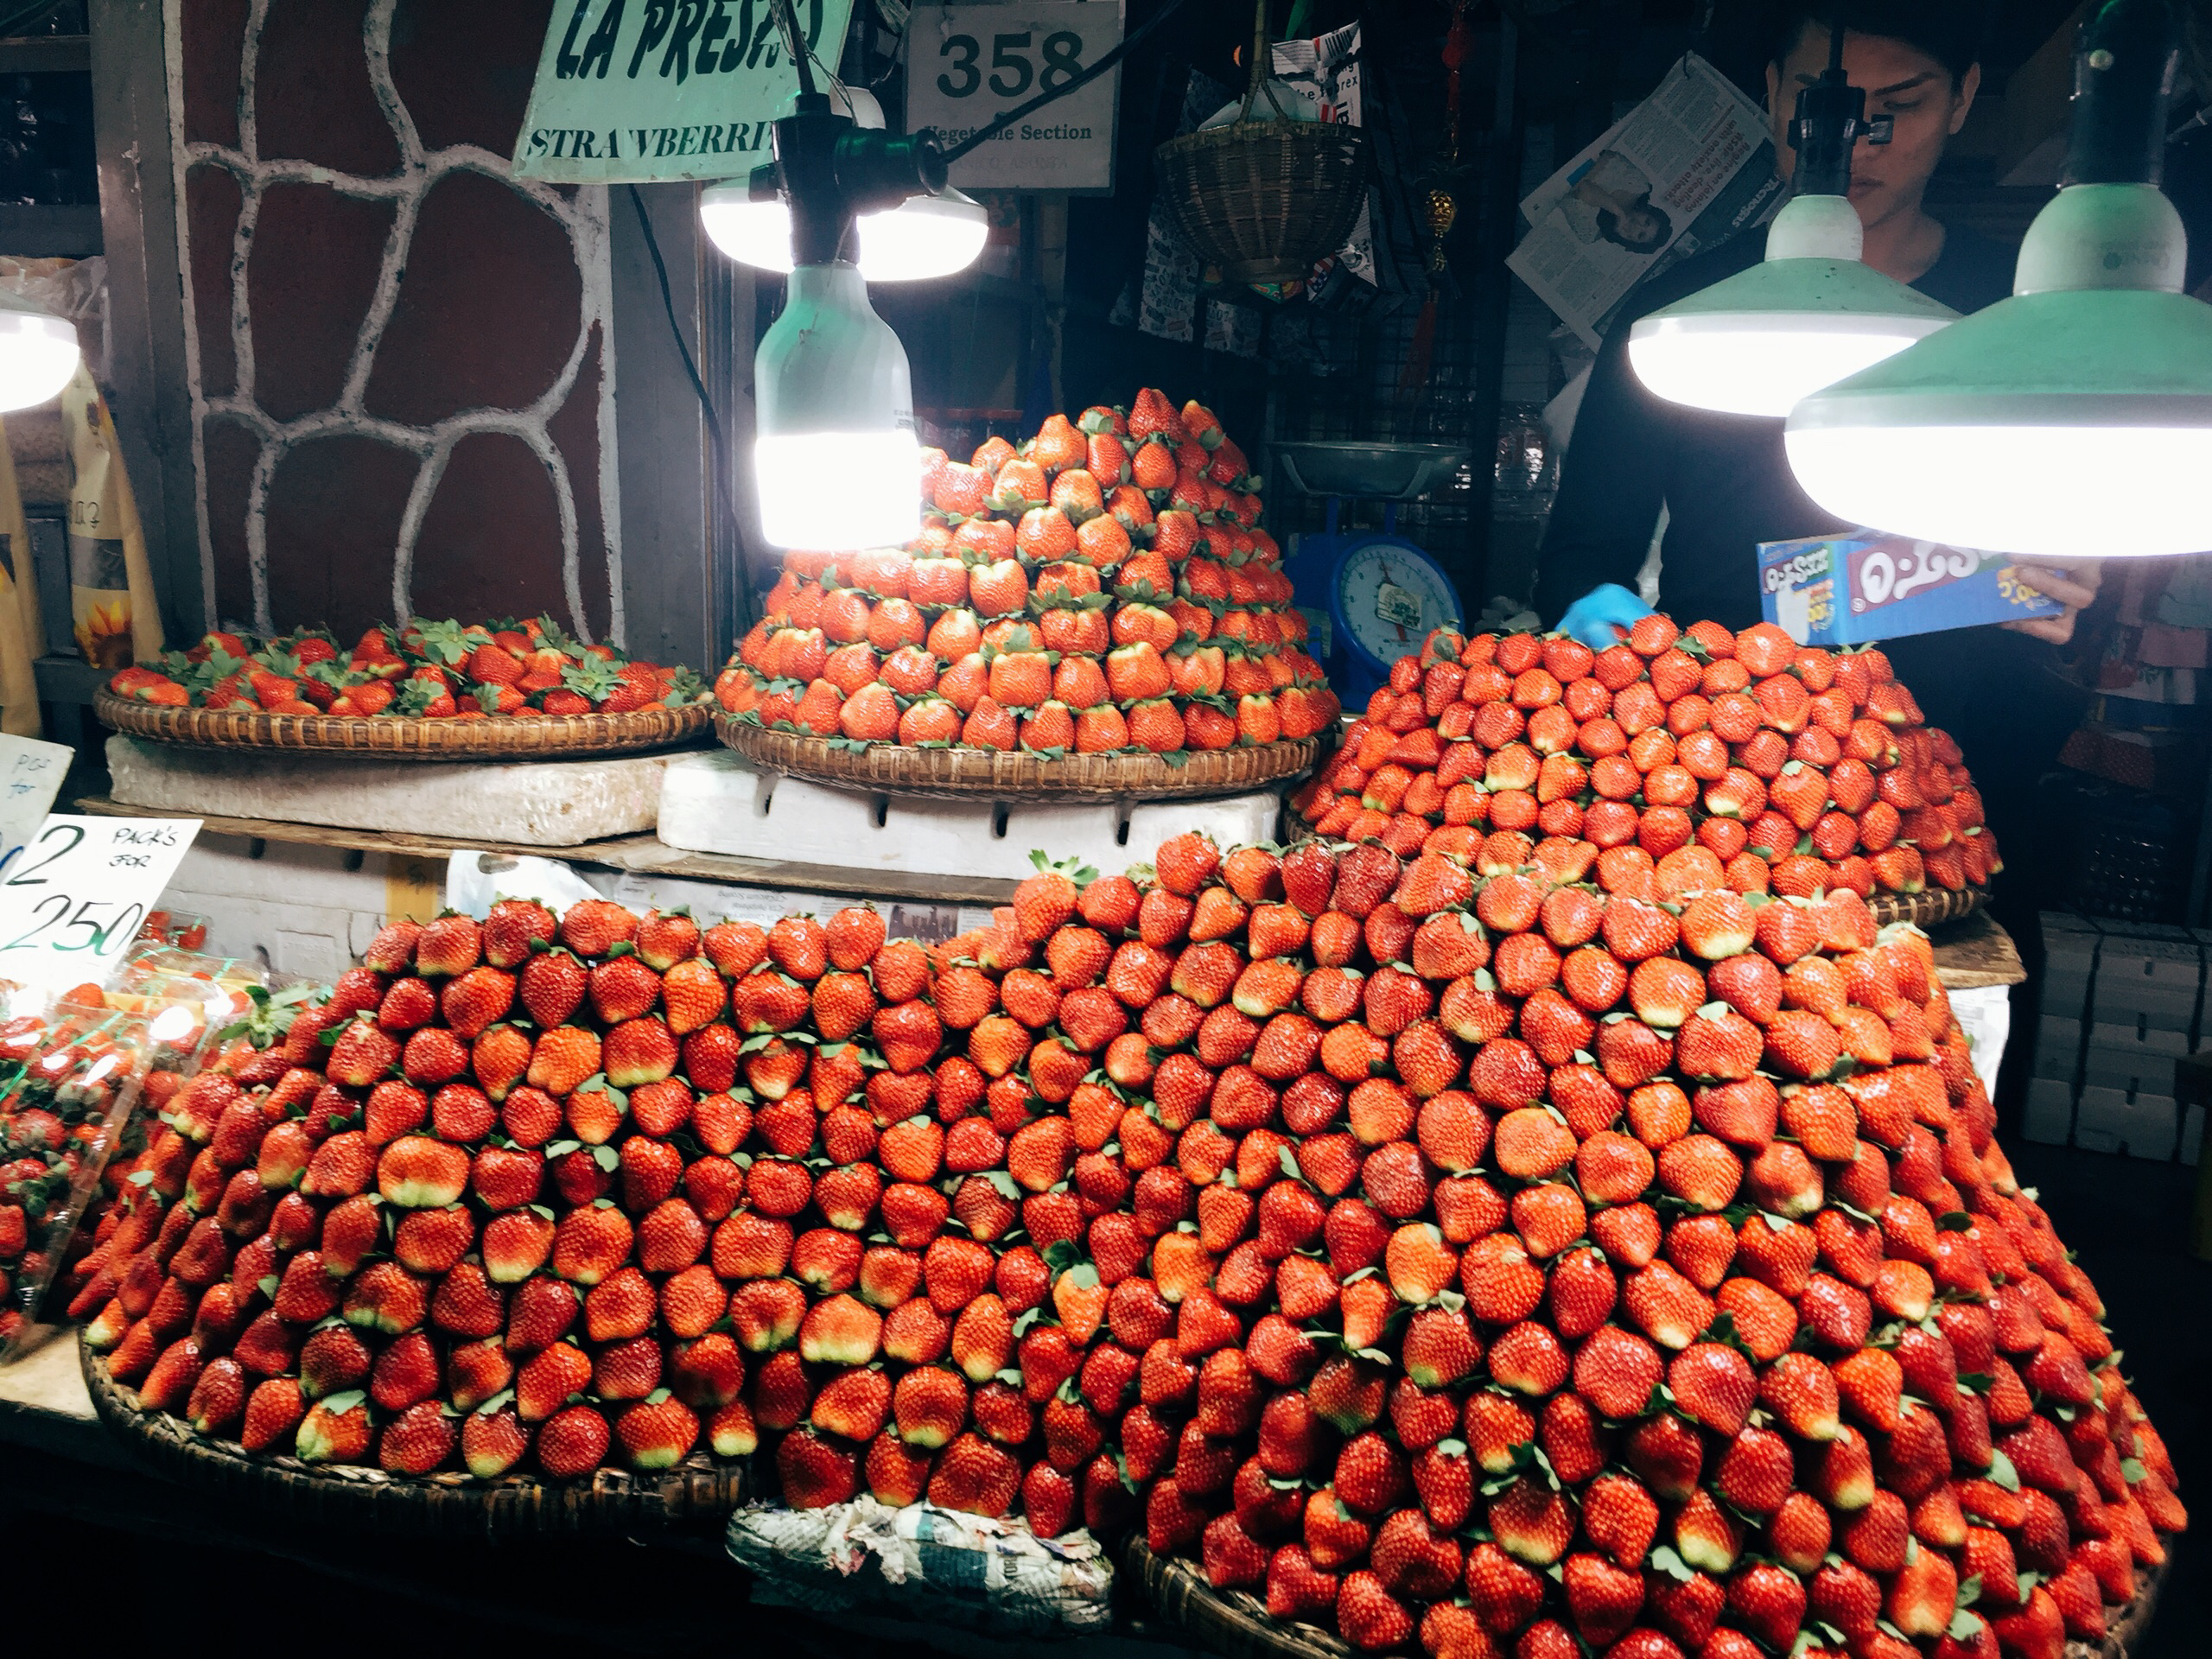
(21, 637)
(112, 607)
(66, 1106)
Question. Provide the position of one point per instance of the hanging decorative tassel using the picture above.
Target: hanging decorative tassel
(1441, 207)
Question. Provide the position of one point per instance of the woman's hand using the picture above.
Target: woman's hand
(2077, 589)
(1593, 618)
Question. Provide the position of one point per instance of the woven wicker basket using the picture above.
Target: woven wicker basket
(1237, 1625)
(1263, 200)
(1927, 908)
(700, 1491)
(1232, 1622)
(1265, 197)
(989, 774)
(389, 737)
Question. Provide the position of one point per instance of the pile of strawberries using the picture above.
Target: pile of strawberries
(429, 671)
(1742, 760)
(1471, 1259)
(1104, 587)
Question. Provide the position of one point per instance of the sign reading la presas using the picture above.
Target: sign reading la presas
(966, 66)
(645, 90)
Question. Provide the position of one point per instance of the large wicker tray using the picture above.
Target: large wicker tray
(1927, 908)
(388, 737)
(1237, 1625)
(988, 773)
(700, 1491)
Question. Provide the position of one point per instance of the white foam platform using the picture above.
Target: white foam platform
(2142, 1125)
(529, 803)
(309, 910)
(716, 803)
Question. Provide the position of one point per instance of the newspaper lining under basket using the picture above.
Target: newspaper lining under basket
(967, 774)
(389, 737)
(699, 1490)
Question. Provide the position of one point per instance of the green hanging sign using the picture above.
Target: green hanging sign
(646, 90)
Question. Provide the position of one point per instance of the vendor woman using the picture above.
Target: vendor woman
(1724, 479)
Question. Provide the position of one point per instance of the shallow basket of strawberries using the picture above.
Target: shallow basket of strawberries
(1435, 1258)
(1675, 761)
(431, 690)
(1096, 611)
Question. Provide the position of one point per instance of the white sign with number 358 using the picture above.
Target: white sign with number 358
(966, 66)
(73, 897)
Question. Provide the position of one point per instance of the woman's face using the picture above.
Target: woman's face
(1901, 82)
(1641, 228)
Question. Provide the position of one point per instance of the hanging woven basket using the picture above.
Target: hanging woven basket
(1265, 197)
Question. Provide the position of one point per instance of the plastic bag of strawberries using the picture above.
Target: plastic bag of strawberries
(1473, 1262)
(1728, 760)
(70, 1128)
(924, 1561)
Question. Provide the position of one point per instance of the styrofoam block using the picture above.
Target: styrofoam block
(2103, 1068)
(718, 804)
(532, 802)
(1232, 821)
(2066, 996)
(708, 802)
(2147, 980)
(2148, 1042)
(2192, 1134)
(2064, 921)
(2142, 1125)
(1090, 834)
(2049, 1114)
(316, 942)
(2058, 1047)
(286, 869)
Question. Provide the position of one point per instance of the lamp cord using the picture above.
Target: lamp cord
(984, 134)
(716, 466)
(795, 44)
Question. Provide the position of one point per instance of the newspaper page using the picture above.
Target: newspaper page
(1324, 74)
(1683, 171)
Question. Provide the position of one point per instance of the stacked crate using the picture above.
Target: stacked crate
(2121, 1003)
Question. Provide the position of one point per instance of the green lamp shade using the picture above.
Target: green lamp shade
(2071, 420)
(1806, 316)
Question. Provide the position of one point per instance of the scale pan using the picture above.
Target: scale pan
(1371, 471)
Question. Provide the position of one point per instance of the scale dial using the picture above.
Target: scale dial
(1388, 596)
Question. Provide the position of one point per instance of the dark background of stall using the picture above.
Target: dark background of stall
(85, 141)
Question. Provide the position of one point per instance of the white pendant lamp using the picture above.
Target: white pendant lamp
(923, 237)
(838, 464)
(38, 353)
(1810, 313)
(920, 238)
(2073, 420)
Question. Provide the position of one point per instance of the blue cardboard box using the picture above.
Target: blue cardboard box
(1847, 590)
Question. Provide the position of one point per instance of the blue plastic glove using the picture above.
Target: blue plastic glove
(1593, 618)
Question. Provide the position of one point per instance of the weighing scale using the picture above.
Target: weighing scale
(1380, 594)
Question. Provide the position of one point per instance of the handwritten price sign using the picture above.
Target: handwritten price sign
(30, 774)
(73, 898)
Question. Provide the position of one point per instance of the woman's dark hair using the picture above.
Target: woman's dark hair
(1952, 32)
(1609, 226)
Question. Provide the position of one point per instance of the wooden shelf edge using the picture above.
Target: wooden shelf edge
(645, 854)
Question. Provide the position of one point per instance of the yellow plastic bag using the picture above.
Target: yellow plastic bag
(118, 618)
(22, 638)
